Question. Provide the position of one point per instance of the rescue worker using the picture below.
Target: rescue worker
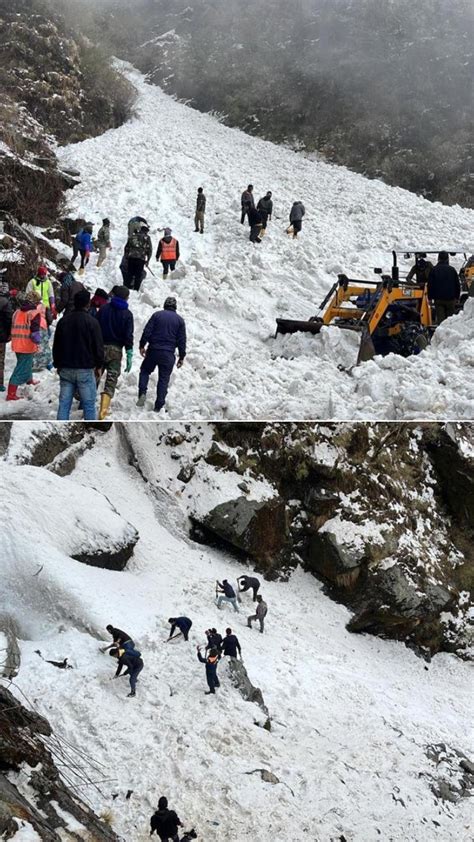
(168, 252)
(230, 645)
(165, 822)
(116, 324)
(227, 594)
(260, 614)
(42, 284)
(211, 661)
(247, 202)
(296, 219)
(265, 206)
(247, 582)
(182, 623)
(444, 288)
(6, 316)
(214, 639)
(163, 333)
(255, 222)
(103, 241)
(138, 251)
(135, 223)
(69, 286)
(200, 211)
(420, 271)
(132, 660)
(25, 338)
(120, 639)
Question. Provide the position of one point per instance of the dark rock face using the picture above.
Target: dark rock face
(23, 734)
(114, 557)
(257, 527)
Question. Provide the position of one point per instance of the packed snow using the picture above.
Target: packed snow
(230, 291)
(351, 714)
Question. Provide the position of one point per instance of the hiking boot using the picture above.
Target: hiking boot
(141, 400)
(132, 693)
(196, 230)
(209, 693)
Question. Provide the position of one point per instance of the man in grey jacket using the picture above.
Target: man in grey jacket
(260, 614)
(296, 218)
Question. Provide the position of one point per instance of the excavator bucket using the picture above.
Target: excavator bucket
(366, 347)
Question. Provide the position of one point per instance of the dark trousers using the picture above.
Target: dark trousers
(75, 249)
(84, 258)
(134, 673)
(135, 273)
(255, 233)
(264, 216)
(167, 265)
(444, 309)
(212, 679)
(165, 361)
(243, 215)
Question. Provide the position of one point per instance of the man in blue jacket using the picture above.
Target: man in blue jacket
(181, 623)
(132, 660)
(164, 333)
(86, 245)
(116, 324)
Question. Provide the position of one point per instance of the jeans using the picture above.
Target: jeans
(82, 379)
(134, 673)
(165, 361)
(231, 599)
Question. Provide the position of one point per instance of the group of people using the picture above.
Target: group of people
(89, 341)
(259, 215)
(444, 286)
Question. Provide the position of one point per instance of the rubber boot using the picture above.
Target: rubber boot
(12, 393)
(104, 406)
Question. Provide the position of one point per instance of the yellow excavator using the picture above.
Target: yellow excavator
(393, 315)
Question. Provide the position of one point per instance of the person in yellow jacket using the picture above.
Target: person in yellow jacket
(42, 284)
(25, 339)
(168, 252)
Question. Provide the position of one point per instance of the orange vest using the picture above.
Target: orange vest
(21, 332)
(168, 250)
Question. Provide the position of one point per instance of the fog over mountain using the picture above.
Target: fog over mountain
(382, 86)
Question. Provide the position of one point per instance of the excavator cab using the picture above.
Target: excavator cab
(392, 315)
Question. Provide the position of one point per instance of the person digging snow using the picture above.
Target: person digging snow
(168, 252)
(227, 594)
(182, 623)
(260, 614)
(163, 334)
(211, 661)
(120, 639)
(116, 324)
(247, 582)
(132, 660)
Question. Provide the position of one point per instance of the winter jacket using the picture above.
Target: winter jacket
(255, 217)
(119, 636)
(247, 582)
(44, 288)
(214, 639)
(67, 291)
(129, 658)
(201, 203)
(116, 323)
(26, 324)
(97, 301)
(103, 236)
(135, 223)
(228, 590)
(165, 824)
(165, 331)
(265, 205)
(297, 212)
(211, 662)
(261, 609)
(6, 315)
(78, 342)
(247, 200)
(420, 273)
(168, 249)
(182, 623)
(230, 646)
(84, 241)
(443, 283)
(139, 246)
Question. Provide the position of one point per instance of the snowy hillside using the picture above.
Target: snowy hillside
(352, 717)
(230, 291)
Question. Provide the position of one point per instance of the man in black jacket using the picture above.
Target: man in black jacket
(116, 324)
(444, 288)
(265, 206)
(78, 355)
(247, 582)
(230, 645)
(132, 660)
(200, 211)
(121, 640)
(255, 222)
(165, 822)
(247, 202)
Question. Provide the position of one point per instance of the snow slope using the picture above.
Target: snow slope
(351, 714)
(231, 292)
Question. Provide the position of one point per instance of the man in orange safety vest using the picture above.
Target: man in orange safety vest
(168, 252)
